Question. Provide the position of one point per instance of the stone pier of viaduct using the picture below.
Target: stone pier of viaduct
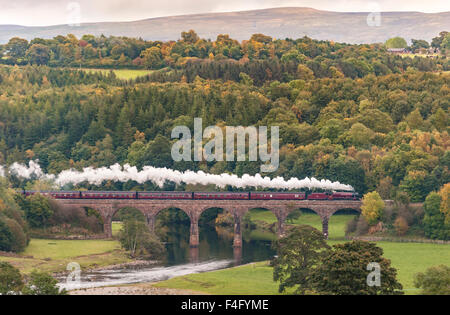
(194, 209)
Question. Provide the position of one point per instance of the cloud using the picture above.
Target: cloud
(50, 12)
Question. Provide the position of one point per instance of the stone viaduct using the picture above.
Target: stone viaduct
(194, 209)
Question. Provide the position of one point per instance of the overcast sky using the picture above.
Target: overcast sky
(51, 12)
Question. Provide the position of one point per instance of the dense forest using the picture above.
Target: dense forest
(350, 113)
(261, 57)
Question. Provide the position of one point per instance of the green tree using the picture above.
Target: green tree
(396, 42)
(434, 281)
(38, 54)
(6, 237)
(137, 239)
(437, 41)
(152, 57)
(418, 184)
(298, 254)
(434, 220)
(17, 47)
(418, 44)
(38, 211)
(344, 271)
(13, 227)
(10, 279)
(42, 283)
(190, 37)
(359, 135)
(157, 153)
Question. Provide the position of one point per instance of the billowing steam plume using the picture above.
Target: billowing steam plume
(117, 173)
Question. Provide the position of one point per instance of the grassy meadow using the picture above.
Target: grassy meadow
(54, 255)
(124, 74)
(336, 226)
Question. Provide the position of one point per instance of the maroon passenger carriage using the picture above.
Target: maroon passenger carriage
(277, 196)
(345, 196)
(176, 195)
(221, 196)
(334, 196)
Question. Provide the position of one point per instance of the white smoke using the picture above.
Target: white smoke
(33, 170)
(159, 176)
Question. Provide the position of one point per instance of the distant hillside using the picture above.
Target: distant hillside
(278, 23)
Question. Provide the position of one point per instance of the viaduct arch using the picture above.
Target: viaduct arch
(195, 208)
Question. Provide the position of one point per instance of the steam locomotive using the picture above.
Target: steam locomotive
(175, 195)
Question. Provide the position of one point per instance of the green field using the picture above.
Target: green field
(116, 227)
(54, 255)
(408, 258)
(123, 74)
(412, 55)
(336, 226)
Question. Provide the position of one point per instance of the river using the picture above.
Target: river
(214, 252)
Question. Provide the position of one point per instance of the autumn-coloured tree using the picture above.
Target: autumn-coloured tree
(372, 207)
(445, 202)
(401, 226)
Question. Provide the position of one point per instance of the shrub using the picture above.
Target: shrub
(75, 219)
(225, 219)
(435, 281)
(6, 237)
(362, 227)
(18, 237)
(10, 279)
(137, 239)
(401, 226)
(351, 226)
(38, 211)
(42, 283)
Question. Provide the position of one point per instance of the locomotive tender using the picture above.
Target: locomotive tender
(179, 195)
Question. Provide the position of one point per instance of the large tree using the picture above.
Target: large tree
(38, 54)
(298, 254)
(396, 42)
(17, 47)
(434, 223)
(347, 268)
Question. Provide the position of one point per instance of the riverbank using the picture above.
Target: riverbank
(137, 289)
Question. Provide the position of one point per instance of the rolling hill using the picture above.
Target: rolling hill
(278, 23)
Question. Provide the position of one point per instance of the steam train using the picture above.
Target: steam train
(175, 195)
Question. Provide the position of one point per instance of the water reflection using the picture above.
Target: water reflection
(215, 244)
